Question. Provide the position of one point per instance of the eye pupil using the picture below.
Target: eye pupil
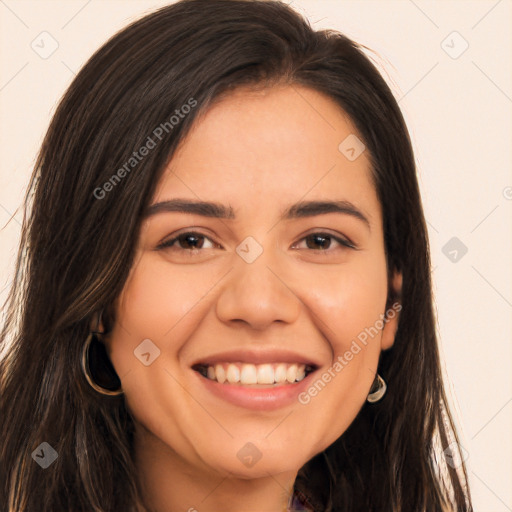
(318, 240)
(187, 238)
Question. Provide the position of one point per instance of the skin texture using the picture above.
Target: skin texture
(259, 152)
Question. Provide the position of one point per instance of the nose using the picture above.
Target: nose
(258, 294)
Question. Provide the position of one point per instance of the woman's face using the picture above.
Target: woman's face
(263, 288)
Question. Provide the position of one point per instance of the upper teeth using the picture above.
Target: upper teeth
(256, 373)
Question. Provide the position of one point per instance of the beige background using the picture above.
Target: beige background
(459, 114)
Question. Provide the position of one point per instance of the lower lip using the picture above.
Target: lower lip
(259, 399)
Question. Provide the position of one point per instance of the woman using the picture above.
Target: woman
(223, 295)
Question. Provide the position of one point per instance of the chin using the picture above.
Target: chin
(249, 461)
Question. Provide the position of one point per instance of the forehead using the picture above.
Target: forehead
(276, 145)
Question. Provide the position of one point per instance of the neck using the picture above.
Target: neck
(170, 483)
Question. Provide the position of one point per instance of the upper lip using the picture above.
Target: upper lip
(257, 357)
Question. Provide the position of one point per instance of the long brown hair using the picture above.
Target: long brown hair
(77, 249)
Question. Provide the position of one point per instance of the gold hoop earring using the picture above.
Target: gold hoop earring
(86, 370)
(378, 390)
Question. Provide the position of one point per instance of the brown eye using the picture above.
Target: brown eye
(323, 241)
(188, 241)
(318, 241)
(191, 241)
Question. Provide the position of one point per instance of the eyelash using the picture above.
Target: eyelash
(344, 243)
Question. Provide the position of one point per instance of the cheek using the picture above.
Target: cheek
(349, 302)
(157, 299)
(161, 304)
(165, 306)
(348, 305)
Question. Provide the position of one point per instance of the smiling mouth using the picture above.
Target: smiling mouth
(255, 375)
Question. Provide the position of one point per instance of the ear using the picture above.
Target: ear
(392, 314)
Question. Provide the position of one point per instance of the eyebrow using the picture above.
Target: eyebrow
(217, 210)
